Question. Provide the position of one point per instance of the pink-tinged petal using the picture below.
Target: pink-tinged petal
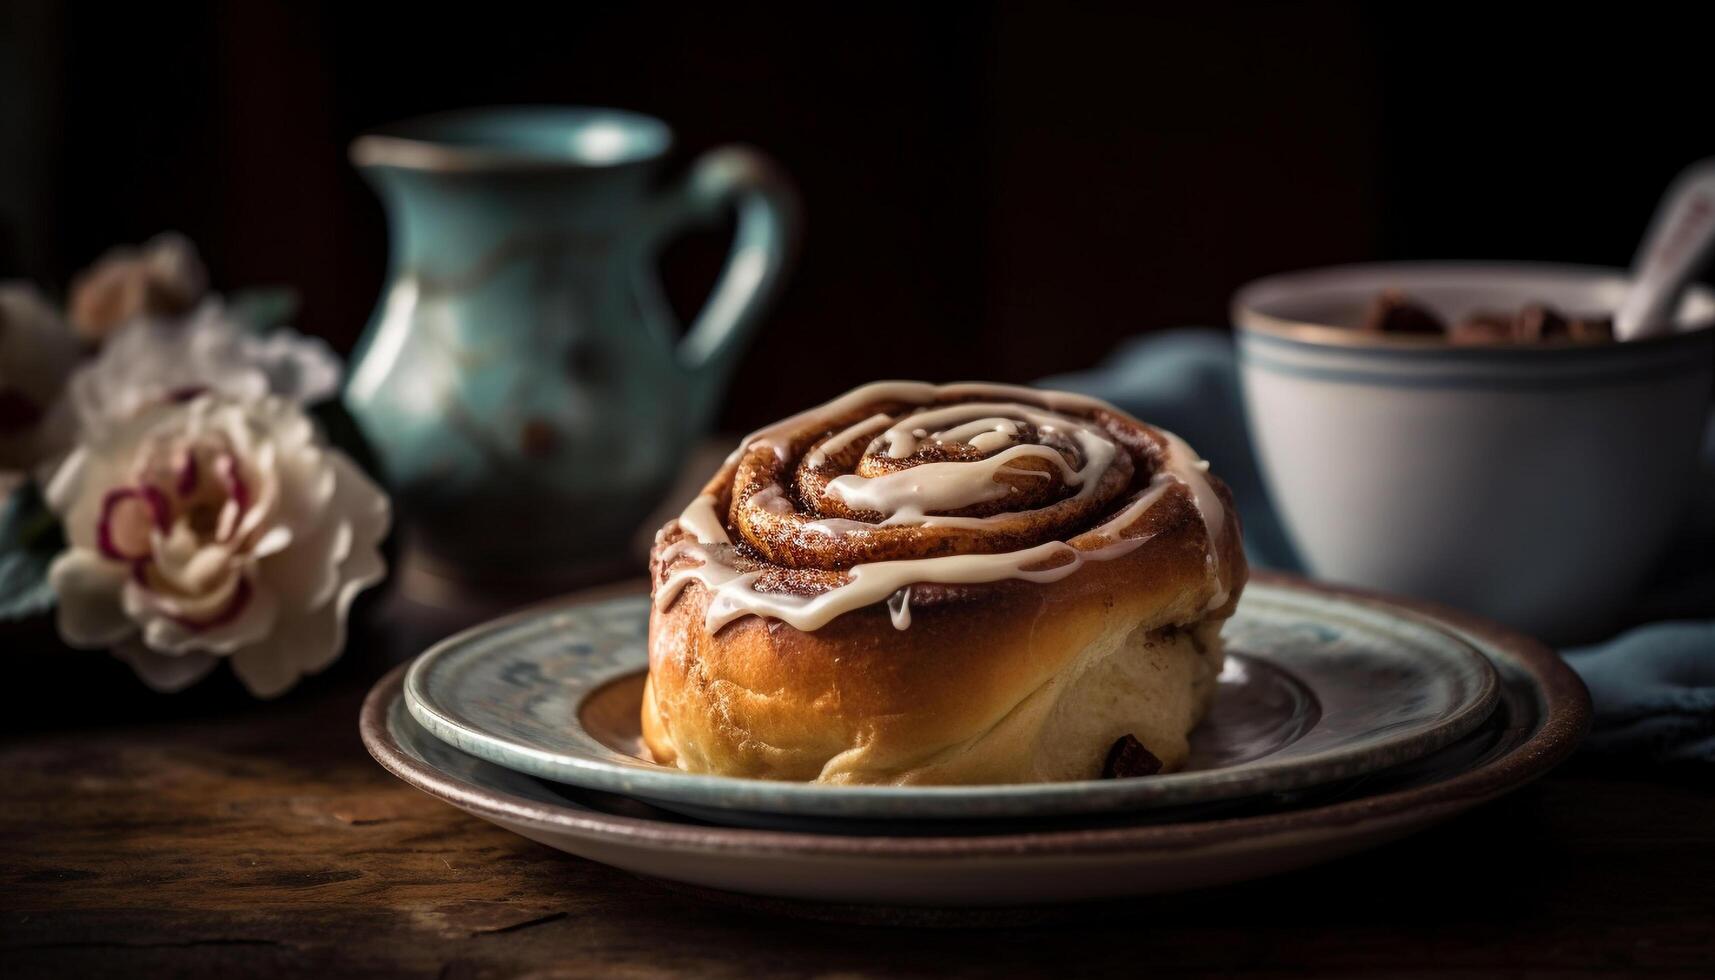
(159, 506)
(237, 489)
(250, 623)
(167, 673)
(229, 613)
(130, 516)
(186, 483)
(196, 605)
(154, 595)
(88, 589)
(244, 623)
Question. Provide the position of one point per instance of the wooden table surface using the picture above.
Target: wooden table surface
(210, 835)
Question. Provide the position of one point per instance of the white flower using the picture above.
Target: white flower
(163, 277)
(37, 353)
(214, 527)
(155, 359)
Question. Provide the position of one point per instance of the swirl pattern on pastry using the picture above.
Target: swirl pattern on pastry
(909, 493)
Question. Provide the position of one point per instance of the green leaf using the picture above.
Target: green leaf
(264, 308)
(30, 537)
(24, 588)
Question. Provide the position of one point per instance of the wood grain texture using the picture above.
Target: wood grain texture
(244, 839)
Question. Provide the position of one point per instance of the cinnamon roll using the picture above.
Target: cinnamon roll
(927, 584)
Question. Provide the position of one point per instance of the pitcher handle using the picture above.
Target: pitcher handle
(763, 244)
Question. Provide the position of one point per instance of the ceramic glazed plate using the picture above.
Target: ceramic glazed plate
(1542, 712)
(1319, 687)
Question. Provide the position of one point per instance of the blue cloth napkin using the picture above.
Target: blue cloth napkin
(1653, 686)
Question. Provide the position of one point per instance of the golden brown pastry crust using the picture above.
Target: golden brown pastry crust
(860, 701)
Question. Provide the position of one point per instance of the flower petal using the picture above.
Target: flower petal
(165, 672)
(306, 485)
(88, 589)
(153, 357)
(360, 500)
(267, 669)
(64, 488)
(301, 369)
(273, 540)
(319, 637)
(307, 573)
(308, 642)
(355, 516)
(249, 624)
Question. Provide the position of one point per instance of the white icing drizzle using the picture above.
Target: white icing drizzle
(899, 608)
(839, 441)
(732, 596)
(701, 521)
(985, 435)
(968, 420)
(906, 497)
(773, 499)
(836, 527)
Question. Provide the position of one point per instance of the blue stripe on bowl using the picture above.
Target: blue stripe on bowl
(1674, 346)
(1558, 381)
(1503, 368)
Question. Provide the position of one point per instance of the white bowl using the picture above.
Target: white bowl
(1535, 484)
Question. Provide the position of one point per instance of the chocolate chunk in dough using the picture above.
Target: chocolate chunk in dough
(1128, 758)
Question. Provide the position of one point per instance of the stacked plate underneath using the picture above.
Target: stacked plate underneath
(1342, 721)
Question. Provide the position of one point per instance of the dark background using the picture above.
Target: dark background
(991, 192)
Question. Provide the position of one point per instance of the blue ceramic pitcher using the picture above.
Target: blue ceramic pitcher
(522, 381)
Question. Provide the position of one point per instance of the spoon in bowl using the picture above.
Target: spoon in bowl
(1677, 244)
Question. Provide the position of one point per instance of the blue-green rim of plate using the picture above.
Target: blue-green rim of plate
(668, 786)
(1561, 720)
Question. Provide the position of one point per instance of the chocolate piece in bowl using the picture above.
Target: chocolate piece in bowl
(1392, 311)
(1534, 323)
(1482, 328)
(1538, 322)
